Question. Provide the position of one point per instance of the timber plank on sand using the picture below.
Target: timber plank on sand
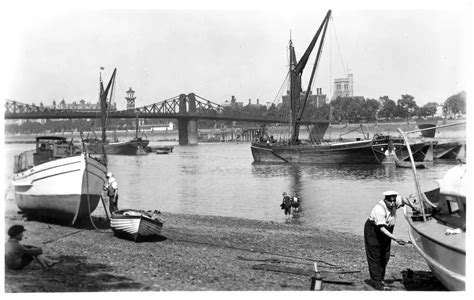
(327, 276)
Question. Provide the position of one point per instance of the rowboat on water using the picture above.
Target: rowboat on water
(165, 148)
(407, 164)
(137, 225)
(159, 151)
(438, 231)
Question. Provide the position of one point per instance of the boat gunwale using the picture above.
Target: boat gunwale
(412, 225)
(120, 216)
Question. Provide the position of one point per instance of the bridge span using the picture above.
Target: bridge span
(187, 109)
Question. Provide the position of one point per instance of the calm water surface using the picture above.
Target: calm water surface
(221, 179)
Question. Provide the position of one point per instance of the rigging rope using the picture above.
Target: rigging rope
(339, 49)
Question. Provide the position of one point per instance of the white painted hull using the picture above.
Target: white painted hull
(61, 189)
(444, 254)
(135, 227)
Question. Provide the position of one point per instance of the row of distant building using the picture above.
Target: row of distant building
(343, 87)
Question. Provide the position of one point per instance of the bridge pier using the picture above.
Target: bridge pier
(193, 123)
(187, 128)
(182, 123)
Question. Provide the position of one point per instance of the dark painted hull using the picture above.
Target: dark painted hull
(429, 133)
(359, 152)
(448, 150)
(420, 150)
(132, 147)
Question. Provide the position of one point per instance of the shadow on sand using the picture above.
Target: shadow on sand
(72, 274)
(421, 281)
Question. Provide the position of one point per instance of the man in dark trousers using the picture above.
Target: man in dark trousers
(111, 186)
(286, 205)
(378, 235)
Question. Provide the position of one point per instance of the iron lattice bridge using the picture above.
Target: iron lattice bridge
(189, 106)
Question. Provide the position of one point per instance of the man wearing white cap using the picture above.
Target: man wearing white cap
(378, 235)
(111, 187)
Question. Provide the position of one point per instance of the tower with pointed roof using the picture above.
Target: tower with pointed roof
(130, 99)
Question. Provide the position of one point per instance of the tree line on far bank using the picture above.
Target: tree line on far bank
(342, 109)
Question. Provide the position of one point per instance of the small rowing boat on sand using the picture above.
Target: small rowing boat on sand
(137, 225)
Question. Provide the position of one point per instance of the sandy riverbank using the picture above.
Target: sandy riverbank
(202, 253)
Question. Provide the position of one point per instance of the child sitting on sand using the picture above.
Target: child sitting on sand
(18, 256)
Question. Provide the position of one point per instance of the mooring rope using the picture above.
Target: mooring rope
(254, 250)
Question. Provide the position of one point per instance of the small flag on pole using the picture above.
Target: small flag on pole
(102, 68)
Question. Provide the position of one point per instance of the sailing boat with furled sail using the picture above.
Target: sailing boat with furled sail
(361, 151)
(135, 146)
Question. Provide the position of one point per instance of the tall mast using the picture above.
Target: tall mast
(136, 126)
(295, 89)
(295, 80)
(103, 103)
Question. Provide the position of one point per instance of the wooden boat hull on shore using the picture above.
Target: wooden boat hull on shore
(61, 190)
(441, 239)
(133, 224)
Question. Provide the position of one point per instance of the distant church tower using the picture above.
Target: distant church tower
(130, 99)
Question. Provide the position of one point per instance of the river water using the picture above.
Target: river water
(221, 179)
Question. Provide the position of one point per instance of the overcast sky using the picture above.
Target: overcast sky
(216, 52)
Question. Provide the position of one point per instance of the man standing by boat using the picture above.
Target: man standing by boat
(378, 235)
(112, 192)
